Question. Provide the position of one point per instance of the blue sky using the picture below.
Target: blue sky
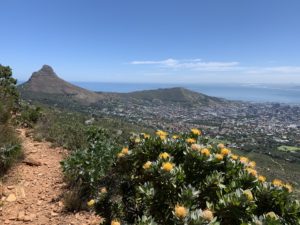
(154, 41)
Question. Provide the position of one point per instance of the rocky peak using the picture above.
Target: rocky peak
(44, 71)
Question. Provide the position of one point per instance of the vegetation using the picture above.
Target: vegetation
(288, 148)
(189, 179)
(10, 149)
(84, 169)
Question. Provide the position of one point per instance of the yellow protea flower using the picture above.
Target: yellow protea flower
(161, 133)
(162, 137)
(147, 165)
(91, 203)
(190, 140)
(262, 178)
(195, 147)
(145, 135)
(120, 155)
(277, 182)
(219, 157)
(180, 211)
(220, 146)
(205, 151)
(207, 215)
(115, 222)
(272, 215)
(252, 172)
(248, 194)
(244, 160)
(234, 157)
(288, 187)
(252, 164)
(225, 151)
(196, 131)
(103, 190)
(164, 155)
(124, 151)
(167, 166)
(175, 136)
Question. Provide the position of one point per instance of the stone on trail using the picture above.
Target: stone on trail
(11, 198)
(31, 162)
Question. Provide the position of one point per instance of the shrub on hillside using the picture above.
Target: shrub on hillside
(188, 180)
(84, 169)
(10, 149)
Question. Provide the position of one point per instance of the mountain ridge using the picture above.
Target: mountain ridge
(45, 84)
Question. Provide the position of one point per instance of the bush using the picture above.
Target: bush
(189, 180)
(84, 169)
(10, 149)
(62, 129)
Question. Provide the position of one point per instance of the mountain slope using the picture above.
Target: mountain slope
(174, 95)
(45, 83)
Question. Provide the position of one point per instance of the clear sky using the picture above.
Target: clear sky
(153, 41)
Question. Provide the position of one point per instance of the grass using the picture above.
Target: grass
(286, 148)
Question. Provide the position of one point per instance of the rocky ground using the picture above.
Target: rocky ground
(31, 193)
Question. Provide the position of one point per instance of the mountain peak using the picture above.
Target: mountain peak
(46, 70)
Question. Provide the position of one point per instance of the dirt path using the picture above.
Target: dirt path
(32, 193)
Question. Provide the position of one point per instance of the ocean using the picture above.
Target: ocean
(281, 93)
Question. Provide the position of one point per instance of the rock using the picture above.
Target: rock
(10, 187)
(11, 198)
(27, 219)
(6, 222)
(31, 162)
(21, 215)
(54, 214)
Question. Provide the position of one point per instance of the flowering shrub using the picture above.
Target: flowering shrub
(84, 169)
(187, 179)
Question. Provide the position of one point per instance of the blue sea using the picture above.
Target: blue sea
(285, 93)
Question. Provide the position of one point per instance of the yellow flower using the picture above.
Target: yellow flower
(161, 133)
(220, 146)
(91, 203)
(262, 178)
(145, 135)
(180, 211)
(162, 137)
(167, 166)
(277, 182)
(137, 140)
(234, 157)
(124, 151)
(164, 155)
(103, 190)
(244, 160)
(175, 136)
(272, 215)
(115, 222)
(219, 157)
(288, 187)
(196, 131)
(225, 151)
(207, 215)
(252, 172)
(120, 155)
(205, 151)
(196, 147)
(190, 140)
(147, 165)
(252, 164)
(248, 194)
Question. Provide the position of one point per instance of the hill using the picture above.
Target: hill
(45, 84)
(174, 95)
(47, 87)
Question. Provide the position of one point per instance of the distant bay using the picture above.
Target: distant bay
(286, 93)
